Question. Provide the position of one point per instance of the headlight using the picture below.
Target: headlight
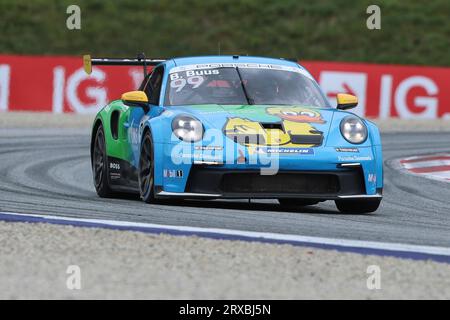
(353, 130)
(187, 128)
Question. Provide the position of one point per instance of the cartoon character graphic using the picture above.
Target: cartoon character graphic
(293, 130)
(297, 124)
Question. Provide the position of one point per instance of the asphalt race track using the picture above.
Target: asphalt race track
(47, 171)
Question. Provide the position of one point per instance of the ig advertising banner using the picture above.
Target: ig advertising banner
(59, 84)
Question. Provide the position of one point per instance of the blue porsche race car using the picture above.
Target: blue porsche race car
(235, 127)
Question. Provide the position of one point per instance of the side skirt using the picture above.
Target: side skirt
(122, 176)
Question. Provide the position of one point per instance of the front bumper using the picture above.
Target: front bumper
(209, 182)
(329, 175)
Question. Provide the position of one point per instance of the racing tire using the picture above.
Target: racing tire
(146, 169)
(291, 202)
(100, 165)
(358, 206)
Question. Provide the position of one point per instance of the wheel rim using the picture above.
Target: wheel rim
(146, 167)
(99, 158)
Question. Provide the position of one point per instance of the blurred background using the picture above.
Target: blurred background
(330, 38)
(412, 32)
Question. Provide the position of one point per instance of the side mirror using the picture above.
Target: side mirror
(135, 99)
(346, 101)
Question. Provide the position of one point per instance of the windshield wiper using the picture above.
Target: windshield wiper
(250, 101)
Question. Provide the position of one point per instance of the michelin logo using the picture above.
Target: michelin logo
(286, 150)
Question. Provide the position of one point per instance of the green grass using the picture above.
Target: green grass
(413, 32)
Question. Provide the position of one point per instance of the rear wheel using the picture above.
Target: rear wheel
(100, 166)
(146, 169)
(358, 205)
(291, 202)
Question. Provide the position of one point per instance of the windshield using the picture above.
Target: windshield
(239, 84)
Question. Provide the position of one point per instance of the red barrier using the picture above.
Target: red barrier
(387, 90)
(59, 84)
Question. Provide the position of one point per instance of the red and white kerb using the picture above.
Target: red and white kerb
(436, 166)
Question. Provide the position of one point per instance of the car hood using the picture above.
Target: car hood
(298, 125)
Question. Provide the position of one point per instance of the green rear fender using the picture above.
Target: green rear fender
(114, 118)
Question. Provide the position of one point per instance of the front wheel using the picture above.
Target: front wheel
(358, 205)
(146, 169)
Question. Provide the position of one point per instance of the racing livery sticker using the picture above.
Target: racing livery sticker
(216, 66)
(294, 129)
(354, 158)
(170, 173)
(372, 177)
(308, 151)
(208, 148)
(347, 149)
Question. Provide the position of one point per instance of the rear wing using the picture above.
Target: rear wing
(140, 60)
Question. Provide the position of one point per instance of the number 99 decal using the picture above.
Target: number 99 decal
(180, 83)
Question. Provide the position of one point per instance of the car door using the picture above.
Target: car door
(152, 87)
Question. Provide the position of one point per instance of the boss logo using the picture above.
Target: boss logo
(114, 165)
